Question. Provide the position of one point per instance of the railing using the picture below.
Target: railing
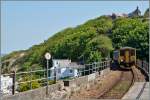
(81, 70)
(144, 65)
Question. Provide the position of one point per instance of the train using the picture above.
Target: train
(125, 57)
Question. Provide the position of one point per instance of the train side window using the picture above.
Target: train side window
(121, 52)
(132, 52)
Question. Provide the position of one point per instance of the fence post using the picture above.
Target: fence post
(89, 69)
(109, 64)
(142, 64)
(13, 81)
(99, 68)
(102, 65)
(84, 71)
(93, 67)
(55, 75)
(30, 79)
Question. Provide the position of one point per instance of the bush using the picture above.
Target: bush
(26, 86)
(51, 82)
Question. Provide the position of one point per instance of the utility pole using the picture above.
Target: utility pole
(48, 57)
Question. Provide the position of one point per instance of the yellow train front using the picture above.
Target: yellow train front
(126, 57)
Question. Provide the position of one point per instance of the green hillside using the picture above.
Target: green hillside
(89, 42)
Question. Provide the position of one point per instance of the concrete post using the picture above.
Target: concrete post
(55, 78)
(96, 67)
(13, 81)
(30, 79)
(89, 69)
(84, 71)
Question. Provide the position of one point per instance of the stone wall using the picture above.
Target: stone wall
(36, 94)
(76, 84)
(58, 90)
(90, 79)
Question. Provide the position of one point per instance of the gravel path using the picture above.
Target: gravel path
(103, 84)
(121, 87)
(112, 86)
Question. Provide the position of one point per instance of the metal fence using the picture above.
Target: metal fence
(49, 74)
(144, 65)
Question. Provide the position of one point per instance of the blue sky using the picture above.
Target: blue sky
(27, 23)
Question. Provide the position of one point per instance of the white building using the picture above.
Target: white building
(118, 15)
(64, 68)
(6, 84)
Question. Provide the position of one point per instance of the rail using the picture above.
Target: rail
(53, 75)
(143, 65)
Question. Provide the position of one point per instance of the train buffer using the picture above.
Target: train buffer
(139, 91)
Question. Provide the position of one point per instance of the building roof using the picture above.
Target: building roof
(136, 12)
(75, 65)
(63, 63)
(126, 48)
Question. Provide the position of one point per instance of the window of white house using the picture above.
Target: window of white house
(57, 63)
(59, 71)
(71, 71)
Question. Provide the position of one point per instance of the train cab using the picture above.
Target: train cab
(124, 57)
(127, 56)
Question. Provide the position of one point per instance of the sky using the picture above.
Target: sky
(27, 23)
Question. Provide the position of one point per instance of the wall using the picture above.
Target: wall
(58, 90)
(36, 94)
(76, 84)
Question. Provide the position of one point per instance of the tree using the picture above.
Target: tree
(98, 48)
(133, 33)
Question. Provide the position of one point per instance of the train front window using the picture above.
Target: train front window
(132, 52)
(121, 52)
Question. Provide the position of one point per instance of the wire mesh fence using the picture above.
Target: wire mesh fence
(31, 79)
(144, 65)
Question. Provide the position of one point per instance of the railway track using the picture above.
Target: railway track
(121, 87)
(127, 79)
(115, 86)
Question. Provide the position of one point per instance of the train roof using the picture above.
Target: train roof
(116, 50)
(127, 48)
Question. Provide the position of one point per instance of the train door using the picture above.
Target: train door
(127, 58)
(116, 55)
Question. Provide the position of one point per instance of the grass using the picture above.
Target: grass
(120, 88)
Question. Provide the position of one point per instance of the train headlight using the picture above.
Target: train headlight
(121, 60)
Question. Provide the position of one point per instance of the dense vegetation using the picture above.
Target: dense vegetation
(133, 33)
(89, 42)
